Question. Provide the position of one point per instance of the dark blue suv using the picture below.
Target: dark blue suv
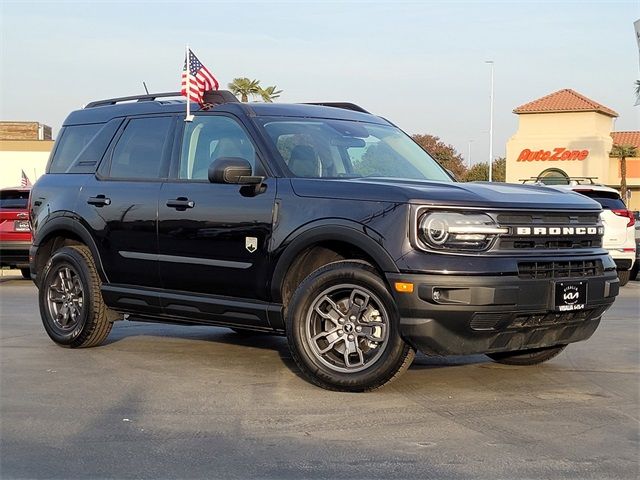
(320, 222)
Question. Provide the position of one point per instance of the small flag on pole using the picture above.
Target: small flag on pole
(196, 78)
(25, 182)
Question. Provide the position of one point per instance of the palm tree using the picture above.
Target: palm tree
(638, 91)
(269, 94)
(244, 87)
(623, 152)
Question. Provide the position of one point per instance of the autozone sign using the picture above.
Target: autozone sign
(559, 153)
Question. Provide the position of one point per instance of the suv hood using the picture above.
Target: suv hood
(476, 194)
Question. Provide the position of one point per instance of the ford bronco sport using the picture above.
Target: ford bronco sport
(320, 222)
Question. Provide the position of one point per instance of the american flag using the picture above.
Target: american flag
(24, 181)
(200, 79)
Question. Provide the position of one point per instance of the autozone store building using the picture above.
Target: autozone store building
(566, 134)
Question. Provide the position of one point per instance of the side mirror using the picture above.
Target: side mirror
(232, 170)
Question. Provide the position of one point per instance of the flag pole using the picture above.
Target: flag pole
(189, 117)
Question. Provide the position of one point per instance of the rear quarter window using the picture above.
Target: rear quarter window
(72, 141)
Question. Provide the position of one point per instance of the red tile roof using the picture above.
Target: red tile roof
(566, 100)
(626, 138)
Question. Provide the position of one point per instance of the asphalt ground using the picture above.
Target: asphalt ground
(159, 401)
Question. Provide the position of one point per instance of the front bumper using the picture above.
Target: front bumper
(462, 315)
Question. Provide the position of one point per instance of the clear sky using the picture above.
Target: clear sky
(419, 64)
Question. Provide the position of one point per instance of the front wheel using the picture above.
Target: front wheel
(343, 329)
(533, 356)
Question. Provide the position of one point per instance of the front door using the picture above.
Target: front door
(213, 238)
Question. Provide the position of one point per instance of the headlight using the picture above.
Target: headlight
(457, 231)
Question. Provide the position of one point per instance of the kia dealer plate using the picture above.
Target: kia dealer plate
(570, 296)
(21, 226)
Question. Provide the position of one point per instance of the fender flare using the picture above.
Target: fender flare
(69, 224)
(340, 230)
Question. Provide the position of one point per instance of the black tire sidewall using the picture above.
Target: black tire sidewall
(70, 257)
(330, 275)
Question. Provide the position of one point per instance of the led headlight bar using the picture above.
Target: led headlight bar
(441, 230)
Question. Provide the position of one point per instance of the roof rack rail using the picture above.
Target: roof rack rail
(343, 105)
(139, 98)
(562, 180)
(214, 97)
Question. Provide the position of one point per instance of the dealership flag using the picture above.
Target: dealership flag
(25, 182)
(196, 79)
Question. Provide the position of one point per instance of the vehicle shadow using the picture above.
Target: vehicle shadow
(276, 343)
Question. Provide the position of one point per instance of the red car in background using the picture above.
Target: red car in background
(15, 232)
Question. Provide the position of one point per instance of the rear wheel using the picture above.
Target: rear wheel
(624, 276)
(71, 306)
(26, 273)
(343, 329)
(533, 356)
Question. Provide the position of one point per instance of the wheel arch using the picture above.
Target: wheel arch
(321, 244)
(59, 232)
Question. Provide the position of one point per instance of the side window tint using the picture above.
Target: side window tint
(208, 138)
(71, 143)
(139, 151)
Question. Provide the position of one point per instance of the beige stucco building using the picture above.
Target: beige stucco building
(566, 134)
(24, 146)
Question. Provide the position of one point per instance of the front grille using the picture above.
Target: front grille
(561, 269)
(512, 241)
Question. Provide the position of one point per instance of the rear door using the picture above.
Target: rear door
(121, 203)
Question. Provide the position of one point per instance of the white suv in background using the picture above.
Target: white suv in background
(619, 232)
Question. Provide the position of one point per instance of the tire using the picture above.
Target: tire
(526, 357)
(71, 306)
(343, 329)
(26, 273)
(634, 270)
(624, 276)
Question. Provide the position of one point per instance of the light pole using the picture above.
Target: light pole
(490, 62)
(469, 156)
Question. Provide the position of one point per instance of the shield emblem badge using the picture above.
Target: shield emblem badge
(251, 244)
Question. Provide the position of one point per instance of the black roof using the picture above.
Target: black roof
(105, 110)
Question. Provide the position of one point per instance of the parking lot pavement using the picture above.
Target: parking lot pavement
(162, 401)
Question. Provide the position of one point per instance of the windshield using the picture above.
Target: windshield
(323, 148)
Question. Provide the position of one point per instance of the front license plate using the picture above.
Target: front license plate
(570, 296)
(21, 226)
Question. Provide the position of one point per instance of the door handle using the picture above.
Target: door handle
(180, 203)
(99, 201)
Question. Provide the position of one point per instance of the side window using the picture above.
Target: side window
(71, 143)
(140, 148)
(208, 138)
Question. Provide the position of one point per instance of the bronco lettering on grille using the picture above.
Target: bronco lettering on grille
(560, 231)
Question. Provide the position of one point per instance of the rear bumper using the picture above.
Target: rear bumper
(461, 315)
(623, 259)
(15, 254)
(623, 263)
